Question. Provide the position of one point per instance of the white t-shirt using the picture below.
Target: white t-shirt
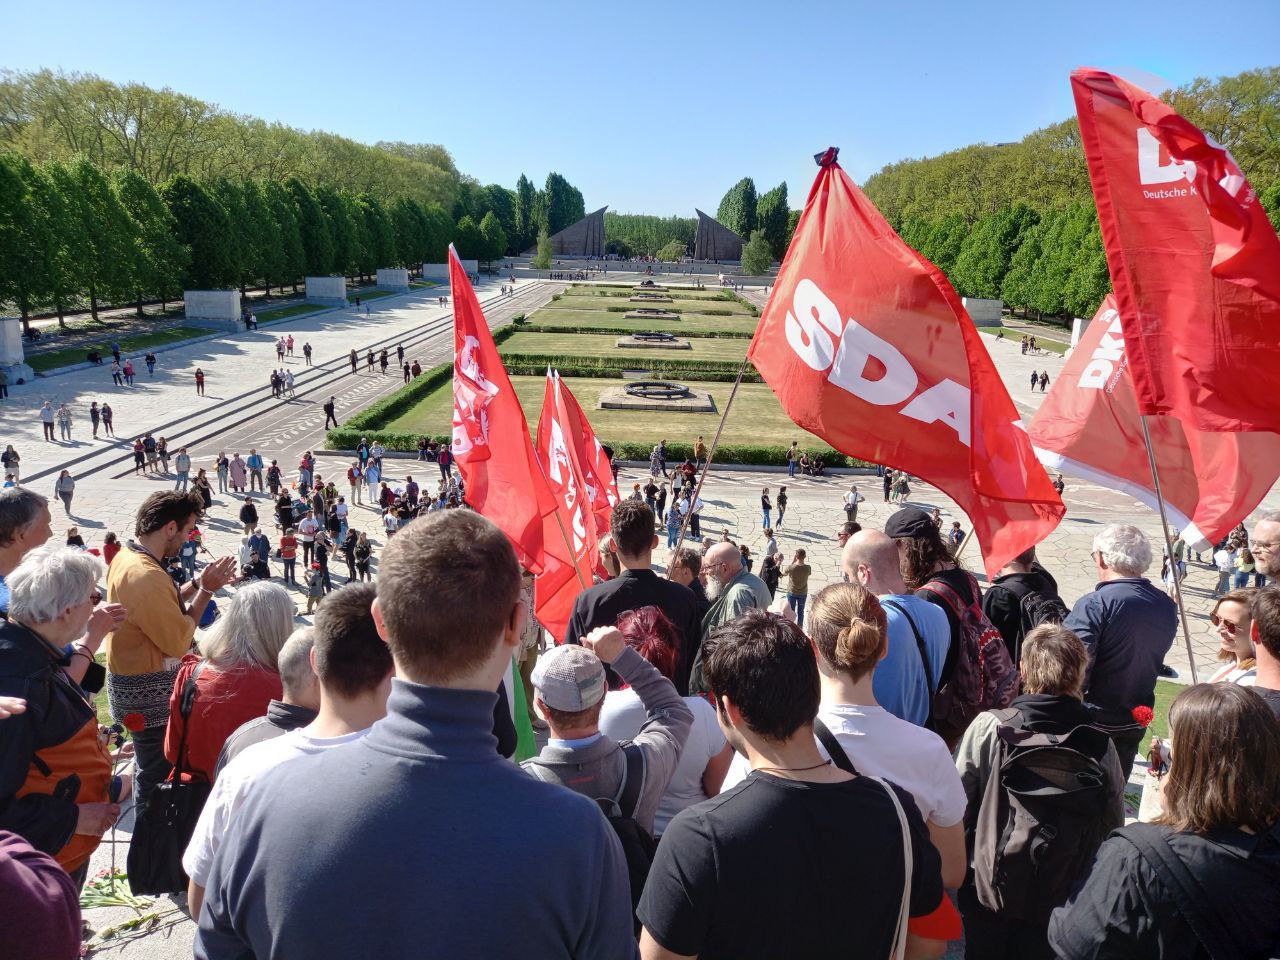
(621, 718)
(881, 745)
(233, 785)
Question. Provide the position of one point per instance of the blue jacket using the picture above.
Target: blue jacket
(1128, 626)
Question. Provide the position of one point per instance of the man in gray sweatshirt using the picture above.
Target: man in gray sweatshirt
(419, 839)
(569, 683)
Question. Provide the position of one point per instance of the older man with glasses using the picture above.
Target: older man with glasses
(1265, 547)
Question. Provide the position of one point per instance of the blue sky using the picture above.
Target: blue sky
(652, 107)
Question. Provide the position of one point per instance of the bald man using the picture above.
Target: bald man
(918, 630)
(732, 590)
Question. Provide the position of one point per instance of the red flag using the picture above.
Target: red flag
(1193, 258)
(1088, 426)
(867, 346)
(596, 473)
(564, 575)
(490, 435)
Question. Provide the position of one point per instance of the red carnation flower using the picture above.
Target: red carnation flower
(134, 722)
(1142, 715)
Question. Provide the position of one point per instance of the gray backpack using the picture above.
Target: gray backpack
(1042, 817)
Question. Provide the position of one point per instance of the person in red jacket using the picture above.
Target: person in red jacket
(237, 676)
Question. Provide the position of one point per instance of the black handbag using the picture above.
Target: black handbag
(161, 834)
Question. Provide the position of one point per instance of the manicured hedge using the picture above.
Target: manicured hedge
(532, 365)
(684, 331)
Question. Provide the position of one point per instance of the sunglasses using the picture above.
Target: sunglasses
(1221, 621)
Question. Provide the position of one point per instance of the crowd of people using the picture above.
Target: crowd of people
(711, 735)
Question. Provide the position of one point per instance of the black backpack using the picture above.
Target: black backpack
(1041, 817)
(638, 845)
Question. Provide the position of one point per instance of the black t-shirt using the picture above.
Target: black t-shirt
(1272, 697)
(782, 868)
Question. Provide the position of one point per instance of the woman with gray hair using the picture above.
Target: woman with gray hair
(65, 799)
(237, 678)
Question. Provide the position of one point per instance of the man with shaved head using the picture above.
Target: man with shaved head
(732, 590)
(919, 633)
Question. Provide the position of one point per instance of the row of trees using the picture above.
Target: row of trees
(71, 233)
(743, 212)
(644, 235)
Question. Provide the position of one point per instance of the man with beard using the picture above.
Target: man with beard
(732, 591)
(1265, 545)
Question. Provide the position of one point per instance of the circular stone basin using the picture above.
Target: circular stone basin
(658, 390)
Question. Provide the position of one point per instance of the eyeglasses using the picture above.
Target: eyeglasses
(1264, 545)
(1221, 621)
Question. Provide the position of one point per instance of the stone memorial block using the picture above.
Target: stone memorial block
(12, 360)
(440, 271)
(327, 290)
(715, 241)
(215, 309)
(983, 313)
(392, 278)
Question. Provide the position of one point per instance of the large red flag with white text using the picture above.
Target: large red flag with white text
(867, 345)
(1194, 260)
(602, 492)
(565, 573)
(1089, 427)
(490, 434)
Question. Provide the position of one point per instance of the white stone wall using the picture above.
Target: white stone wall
(984, 313)
(10, 341)
(212, 304)
(326, 289)
(390, 278)
(440, 271)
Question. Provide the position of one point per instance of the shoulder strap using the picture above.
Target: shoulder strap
(924, 656)
(833, 748)
(627, 798)
(1189, 895)
(185, 705)
(948, 594)
(908, 864)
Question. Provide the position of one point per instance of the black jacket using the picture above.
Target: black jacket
(1002, 601)
(1126, 908)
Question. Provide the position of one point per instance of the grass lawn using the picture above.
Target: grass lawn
(364, 294)
(603, 345)
(611, 305)
(756, 418)
(1166, 691)
(1053, 346)
(293, 310)
(54, 359)
(420, 284)
(556, 317)
(611, 294)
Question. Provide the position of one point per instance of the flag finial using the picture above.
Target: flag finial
(826, 157)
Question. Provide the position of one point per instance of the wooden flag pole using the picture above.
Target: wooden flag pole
(1168, 545)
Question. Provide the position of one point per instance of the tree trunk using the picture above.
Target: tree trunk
(93, 302)
(139, 306)
(61, 320)
(26, 322)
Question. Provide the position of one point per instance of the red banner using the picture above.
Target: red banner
(491, 443)
(602, 492)
(1194, 260)
(565, 574)
(867, 345)
(1089, 427)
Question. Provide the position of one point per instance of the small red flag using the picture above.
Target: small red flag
(491, 444)
(565, 574)
(867, 345)
(596, 473)
(1089, 427)
(1194, 260)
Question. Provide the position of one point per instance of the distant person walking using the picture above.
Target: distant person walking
(64, 422)
(355, 360)
(199, 382)
(107, 424)
(330, 414)
(46, 420)
(306, 353)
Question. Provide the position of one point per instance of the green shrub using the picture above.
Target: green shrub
(533, 365)
(545, 328)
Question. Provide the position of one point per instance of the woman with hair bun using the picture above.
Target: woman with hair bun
(849, 631)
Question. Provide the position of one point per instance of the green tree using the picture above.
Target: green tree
(1271, 203)
(542, 259)
(292, 260)
(757, 257)
(409, 223)
(493, 237)
(203, 229)
(26, 239)
(158, 258)
(525, 213)
(266, 253)
(737, 209)
(1089, 279)
(109, 236)
(317, 244)
(467, 240)
(1018, 288)
(943, 243)
(337, 208)
(380, 247)
(439, 234)
(562, 203)
(68, 242)
(793, 220)
(986, 252)
(502, 203)
(240, 231)
(674, 250)
(772, 216)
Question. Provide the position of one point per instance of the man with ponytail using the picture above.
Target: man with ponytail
(712, 890)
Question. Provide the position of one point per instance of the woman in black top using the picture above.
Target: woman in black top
(348, 549)
(363, 552)
(782, 505)
(1204, 881)
(660, 502)
(766, 508)
(202, 487)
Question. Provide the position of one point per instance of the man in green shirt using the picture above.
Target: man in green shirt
(797, 574)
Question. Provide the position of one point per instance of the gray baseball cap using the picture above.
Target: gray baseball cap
(569, 678)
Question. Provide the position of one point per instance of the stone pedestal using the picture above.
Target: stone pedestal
(650, 313)
(12, 360)
(331, 291)
(646, 343)
(983, 313)
(440, 271)
(390, 278)
(1078, 326)
(215, 309)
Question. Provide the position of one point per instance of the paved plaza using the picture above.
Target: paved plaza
(237, 414)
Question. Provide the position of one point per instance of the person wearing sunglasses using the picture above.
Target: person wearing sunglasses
(1231, 619)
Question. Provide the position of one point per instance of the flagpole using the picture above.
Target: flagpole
(715, 442)
(1168, 545)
